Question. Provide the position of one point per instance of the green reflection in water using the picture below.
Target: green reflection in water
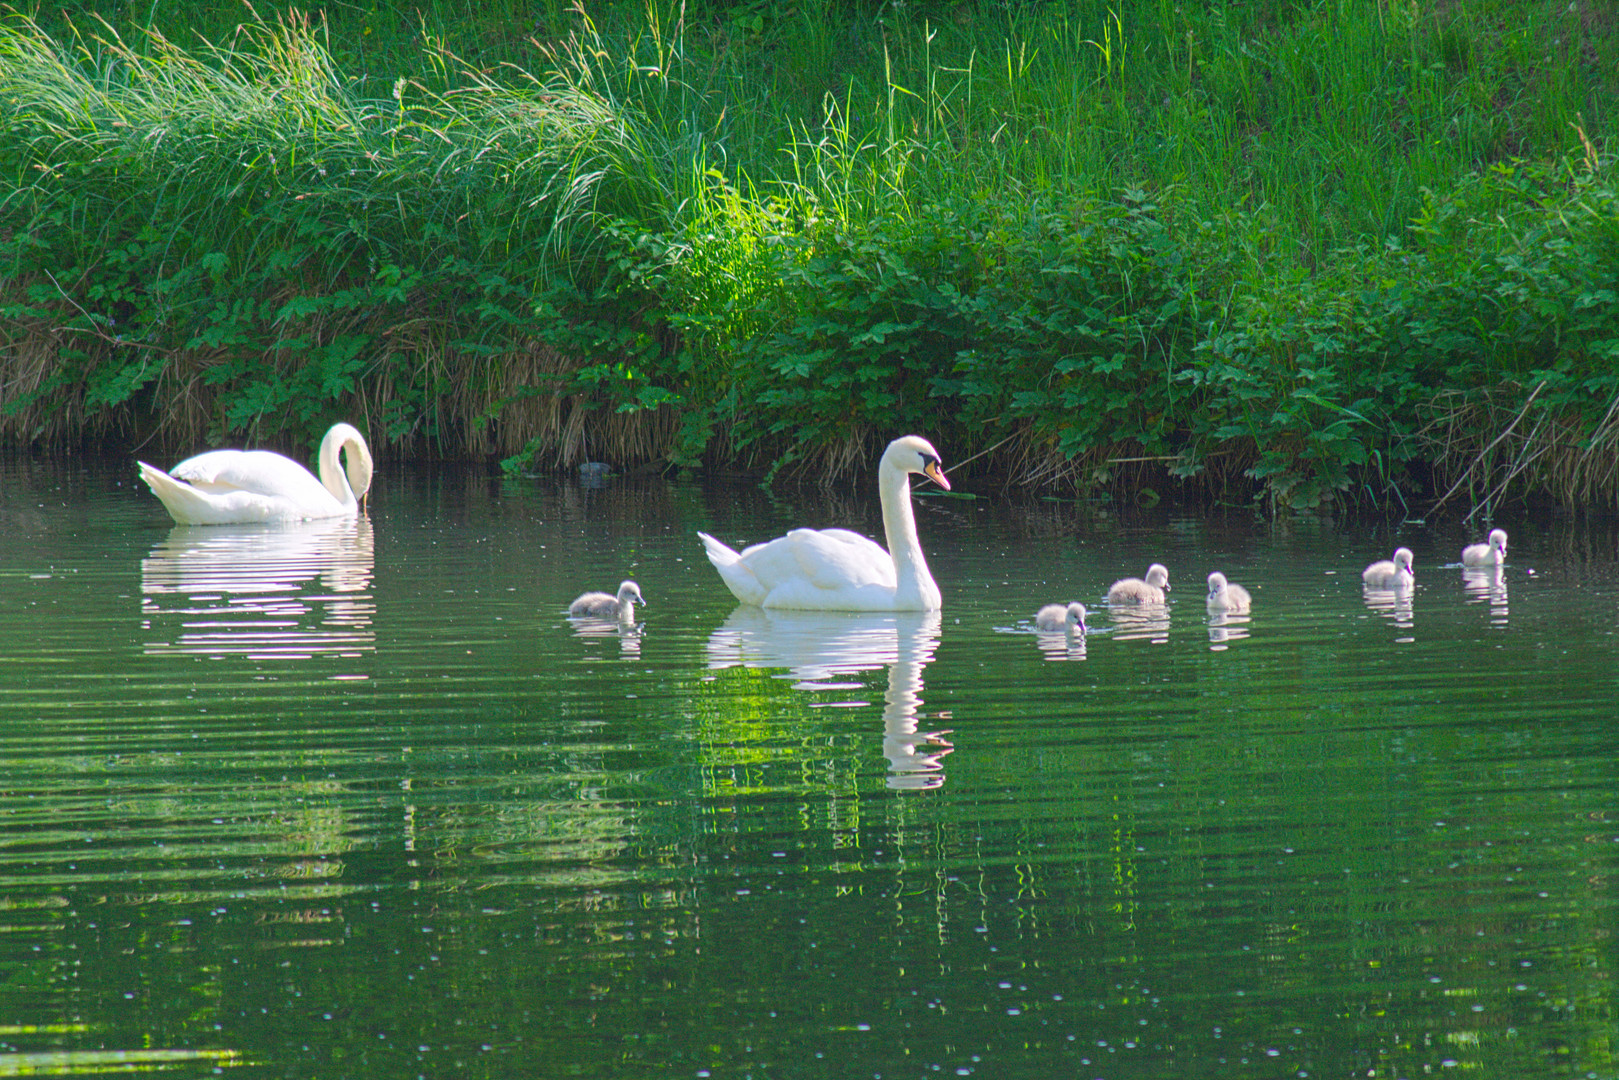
(368, 803)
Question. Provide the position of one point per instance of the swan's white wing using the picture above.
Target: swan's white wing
(261, 472)
(226, 487)
(190, 505)
(840, 559)
(823, 569)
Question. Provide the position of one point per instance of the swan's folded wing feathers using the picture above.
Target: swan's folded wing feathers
(261, 471)
(204, 471)
(840, 559)
(190, 505)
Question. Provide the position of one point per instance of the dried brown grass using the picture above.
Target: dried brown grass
(522, 395)
(470, 405)
(1028, 461)
(1503, 444)
(33, 412)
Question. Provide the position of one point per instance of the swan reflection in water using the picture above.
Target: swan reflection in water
(1060, 644)
(1487, 585)
(591, 628)
(290, 591)
(1140, 622)
(821, 650)
(1394, 605)
(1224, 628)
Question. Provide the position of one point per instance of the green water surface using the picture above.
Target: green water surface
(359, 800)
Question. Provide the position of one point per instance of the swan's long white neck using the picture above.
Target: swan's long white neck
(332, 474)
(911, 577)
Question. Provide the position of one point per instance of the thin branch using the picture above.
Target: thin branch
(1493, 444)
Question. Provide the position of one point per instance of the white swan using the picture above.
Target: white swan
(1391, 574)
(602, 605)
(1493, 552)
(1226, 597)
(1132, 590)
(1060, 617)
(243, 487)
(839, 570)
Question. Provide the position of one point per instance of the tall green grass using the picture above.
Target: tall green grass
(240, 228)
(1263, 248)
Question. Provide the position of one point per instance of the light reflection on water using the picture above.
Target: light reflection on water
(1225, 628)
(592, 629)
(263, 591)
(1398, 606)
(1141, 622)
(452, 827)
(816, 648)
(1488, 586)
(1062, 644)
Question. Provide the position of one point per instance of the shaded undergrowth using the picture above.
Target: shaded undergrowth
(1286, 254)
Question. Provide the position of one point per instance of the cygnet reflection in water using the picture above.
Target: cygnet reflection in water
(276, 591)
(1393, 604)
(821, 650)
(591, 628)
(1224, 628)
(1143, 622)
(1487, 585)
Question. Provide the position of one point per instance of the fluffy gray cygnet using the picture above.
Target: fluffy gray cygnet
(1060, 617)
(1391, 574)
(1493, 552)
(1133, 590)
(1224, 596)
(601, 605)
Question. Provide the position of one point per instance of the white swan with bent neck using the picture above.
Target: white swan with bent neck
(839, 570)
(244, 487)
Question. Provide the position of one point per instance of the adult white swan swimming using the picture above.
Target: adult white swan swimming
(241, 487)
(839, 570)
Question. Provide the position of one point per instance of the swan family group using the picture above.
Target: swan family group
(806, 570)
(837, 570)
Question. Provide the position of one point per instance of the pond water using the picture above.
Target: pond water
(359, 800)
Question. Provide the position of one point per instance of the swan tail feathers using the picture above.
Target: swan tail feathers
(183, 502)
(719, 553)
(189, 506)
(741, 580)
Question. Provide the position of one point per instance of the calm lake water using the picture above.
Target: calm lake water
(358, 800)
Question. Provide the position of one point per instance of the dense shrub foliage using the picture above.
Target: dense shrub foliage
(1303, 258)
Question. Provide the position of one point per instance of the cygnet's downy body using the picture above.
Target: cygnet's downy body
(1132, 590)
(1493, 552)
(1226, 597)
(600, 605)
(1393, 573)
(1057, 617)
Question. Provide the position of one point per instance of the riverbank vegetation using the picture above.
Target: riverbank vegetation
(1290, 253)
